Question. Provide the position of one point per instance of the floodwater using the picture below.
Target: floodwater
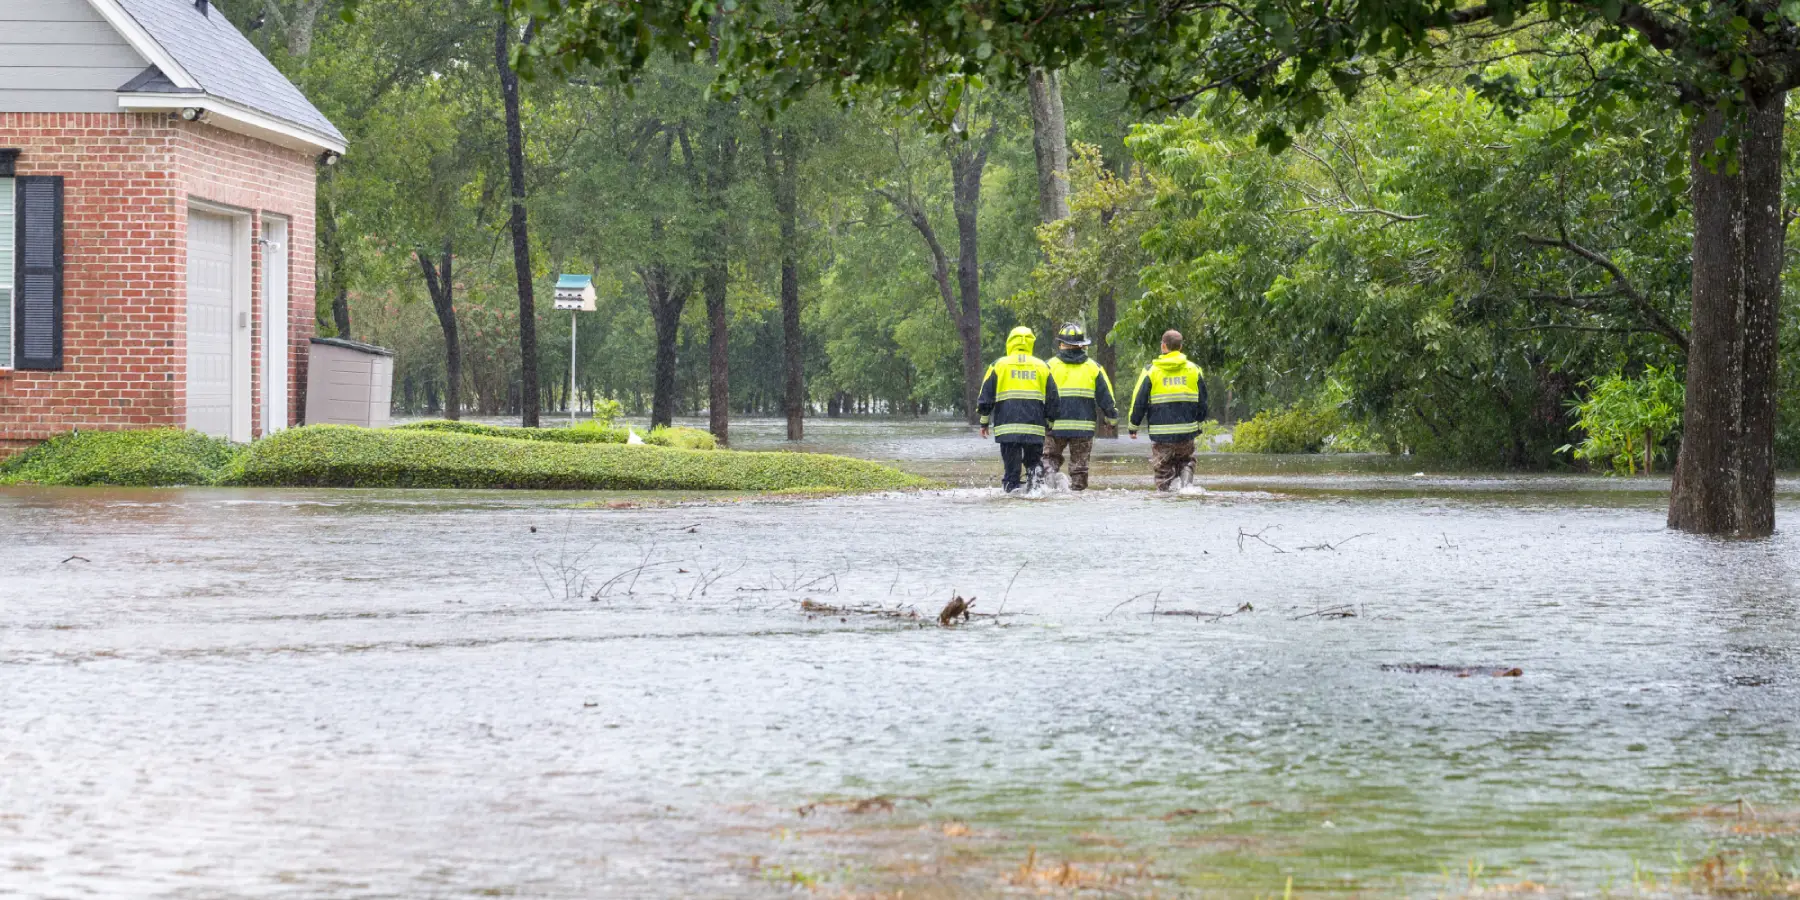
(236, 693)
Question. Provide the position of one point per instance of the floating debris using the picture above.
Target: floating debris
(879, 803)
(956, 609)
(1341, 611)
(816, 608)
(1453, 671)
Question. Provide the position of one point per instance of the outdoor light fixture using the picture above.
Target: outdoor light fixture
(193, 114)
(330, 158)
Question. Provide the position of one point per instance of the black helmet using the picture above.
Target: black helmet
(1072, 335)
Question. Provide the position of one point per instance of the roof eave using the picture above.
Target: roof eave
(237, 118)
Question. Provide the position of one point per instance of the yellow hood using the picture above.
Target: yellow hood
(1173, 361)
(1020, 341)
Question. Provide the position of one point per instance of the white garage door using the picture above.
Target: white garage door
(211, 323)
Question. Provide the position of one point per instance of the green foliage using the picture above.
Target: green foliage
(1210, 432)
(605, 413)
(125, 458)
(1097, 249)
(583, 433)
(1286, 61)
(344, 456)
(680, 438)
(1299, 429)
(1426, 259)
(1625, 420)
(593, 431)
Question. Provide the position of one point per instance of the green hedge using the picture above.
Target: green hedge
(579, 434)
(128, 458)
(680, 438)
(344, 456)
(1299, 429)
(587, 432)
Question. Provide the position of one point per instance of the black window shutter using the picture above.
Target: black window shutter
(38, 311)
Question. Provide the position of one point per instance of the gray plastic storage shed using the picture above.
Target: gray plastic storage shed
(349, 383)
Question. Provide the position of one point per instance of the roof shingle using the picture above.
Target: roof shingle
(224, 62)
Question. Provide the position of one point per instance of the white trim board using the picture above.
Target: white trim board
(231, 116)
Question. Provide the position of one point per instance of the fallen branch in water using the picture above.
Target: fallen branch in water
(1454, 671)
(1257, 536)
(707, 579)
(1327, 545)
(814, 608)
(1158, 595)
(1003, 597)
(881, 803)
(607, 586)
(1202, 614)
(1341, 611)
(568, 570)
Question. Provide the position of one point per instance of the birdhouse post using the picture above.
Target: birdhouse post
(574, 293)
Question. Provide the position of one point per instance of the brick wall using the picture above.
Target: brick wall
(128, 181)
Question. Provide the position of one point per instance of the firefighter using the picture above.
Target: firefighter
(1018, 398)
(1170, 401)
(1085, 400)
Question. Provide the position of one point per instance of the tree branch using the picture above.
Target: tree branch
(1659, 324)
(940, 261)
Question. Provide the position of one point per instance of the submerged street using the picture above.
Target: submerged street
(292, 693)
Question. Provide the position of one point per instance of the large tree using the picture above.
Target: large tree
(529, 402)
(781, 167)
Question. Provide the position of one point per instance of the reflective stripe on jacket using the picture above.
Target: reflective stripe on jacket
(1018, 395)
(1170, 399)
(1085, 393)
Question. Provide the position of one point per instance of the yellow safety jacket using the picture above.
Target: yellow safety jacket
(1018, 395)
(1085, 395)
(1170, 399)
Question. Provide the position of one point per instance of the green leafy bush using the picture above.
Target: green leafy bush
(1210, 432)
(153, 458)
(605, 413)
(583, 433)
(345, 456)
(1626, 420)
(1300, 429)
(681, 438)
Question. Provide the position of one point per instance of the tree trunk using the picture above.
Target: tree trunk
(1050, 143)
(721, 168)
(334, 278)
(666, 301)
(300, 31)
(439, 282)
(784, 185)
(967, 162)
(718, 346)
(1724, 474)
(521, 237)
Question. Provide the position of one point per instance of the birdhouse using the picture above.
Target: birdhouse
(575, 292)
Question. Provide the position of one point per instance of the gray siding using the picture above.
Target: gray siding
(60, 56)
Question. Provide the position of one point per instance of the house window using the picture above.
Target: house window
(8, 241)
